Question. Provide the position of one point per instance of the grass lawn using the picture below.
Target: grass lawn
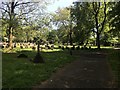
(114, 59)
(21, 73)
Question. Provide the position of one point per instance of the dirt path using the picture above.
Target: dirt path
(89, 71)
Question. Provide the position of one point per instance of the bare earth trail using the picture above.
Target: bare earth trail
(90, 70)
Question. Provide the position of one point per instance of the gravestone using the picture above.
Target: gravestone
(73, 48)
(38, 58)
(63, 48)
(26, 46)
(2, 46)
(49, 47)
(67, 47)
(52, 47)
(14, 45)
(7, 46)
(22, 56)
(89, 47)
(33, 48)
(82, 48)
(21, 46)
(78, 47)
(46, 47)
(59, 46)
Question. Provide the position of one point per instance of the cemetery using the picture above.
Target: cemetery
(77, 46)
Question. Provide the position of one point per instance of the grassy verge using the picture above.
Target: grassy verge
(114, 59)
(21, 73)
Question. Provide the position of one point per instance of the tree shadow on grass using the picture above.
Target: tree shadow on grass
(31, 55)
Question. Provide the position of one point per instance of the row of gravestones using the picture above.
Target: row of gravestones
(21, 45)
(73, 47)
(34, 46)
(27, 45)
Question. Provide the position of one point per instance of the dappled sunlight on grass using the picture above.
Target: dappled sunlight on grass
(54, 50)
(103, 47)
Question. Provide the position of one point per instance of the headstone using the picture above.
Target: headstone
(67, 47)
(33, 48)
(46, 47)
(85, 47)
(52, 47)
(78, 47)
(59, 46)
(73, 48)
(14, 45)
(7, 46)
(26, 46)
(62, 47)
(21, 46)
(2, 46)
(82, 48)
(49, 47)
(89, 47)
(22, 56)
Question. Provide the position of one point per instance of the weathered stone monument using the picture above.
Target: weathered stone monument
(38, 58)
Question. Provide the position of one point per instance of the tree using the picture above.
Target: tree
(83, 20)
(14, 11)
(52, 36)
(61, 19)
(114, 20)
(90, 17)
(99, 9)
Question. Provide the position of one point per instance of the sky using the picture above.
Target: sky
(59, 3)
(65, 3)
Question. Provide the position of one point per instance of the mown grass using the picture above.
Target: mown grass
(114, 59)
(21, 73)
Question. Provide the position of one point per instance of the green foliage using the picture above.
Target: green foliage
(88, 16)
(61, 19)
(52, 36)
(81, 15)
(114, 17)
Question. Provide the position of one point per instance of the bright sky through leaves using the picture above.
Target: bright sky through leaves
(60, 3)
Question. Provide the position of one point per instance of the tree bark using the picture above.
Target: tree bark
(96, 12)
(10, 37)
(98, 40)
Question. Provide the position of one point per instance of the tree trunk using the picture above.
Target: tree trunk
(71, 38)
(98, 40)
(10, 37)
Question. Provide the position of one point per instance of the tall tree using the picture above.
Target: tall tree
(14, 11)
(61, 19)
(83, 20)
(90, 16)
(99, 9)
(114, 19)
